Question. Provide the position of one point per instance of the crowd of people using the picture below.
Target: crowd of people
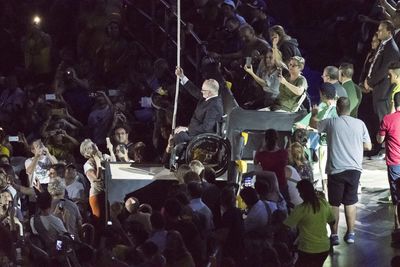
(77, 89)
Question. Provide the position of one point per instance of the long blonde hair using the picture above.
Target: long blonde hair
(296, 155)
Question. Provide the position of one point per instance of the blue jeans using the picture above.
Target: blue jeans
(394, 182)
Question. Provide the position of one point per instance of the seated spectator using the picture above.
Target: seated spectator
(267, 76)
(132, 206)
(286, 46)
(274, 159)
(257, 215)
(64, 208)
(208, 112)
(46, 225)
(267, 188)
(176, 253)
(151, 254)
(250, 43)
(228, 9)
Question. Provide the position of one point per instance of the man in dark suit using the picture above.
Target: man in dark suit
(208, 112)
(377, 80)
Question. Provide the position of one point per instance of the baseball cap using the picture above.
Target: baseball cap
(257, 4)
(229, 3)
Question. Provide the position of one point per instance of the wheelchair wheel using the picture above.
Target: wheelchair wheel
(210, 149)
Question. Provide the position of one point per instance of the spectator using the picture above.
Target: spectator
(394, 73)
(64, 208)
(46, 225)
(267, 76)
(299, 162)
(158, 234)
(197, 167)
(211, 194)
(197, 205)
(389, 132)
(331, 75)
(132, 206)
(346, 71)
(231, 231)
(286, 46)
(228, 9)
(274, 159)
(257, 214)
(75, 189)
(311, 218)
(92, 170)
(176, 253)
(291, 88)
(347, 137)
(37, 167)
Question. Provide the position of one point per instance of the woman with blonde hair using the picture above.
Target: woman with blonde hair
(92, 170)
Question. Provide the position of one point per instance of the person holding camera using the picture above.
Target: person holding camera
(61, 144)
(266, 76)
(38, 166)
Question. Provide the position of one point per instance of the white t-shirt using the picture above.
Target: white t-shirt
(75, 190)
(292, 183)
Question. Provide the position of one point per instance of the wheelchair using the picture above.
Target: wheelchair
(211, 149)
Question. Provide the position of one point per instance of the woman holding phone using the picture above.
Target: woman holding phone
(266, 76)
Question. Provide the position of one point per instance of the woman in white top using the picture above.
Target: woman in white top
(93, 172)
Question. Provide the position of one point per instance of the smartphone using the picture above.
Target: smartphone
(13, 138)
(248, 61)
(59, 245)
(248, 180)
(72, 236)
(50, 96)
(109, 223)
(113, 92)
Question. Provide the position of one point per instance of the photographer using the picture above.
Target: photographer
(37, 167)
(61, 144)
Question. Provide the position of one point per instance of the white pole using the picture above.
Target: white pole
(178, 61)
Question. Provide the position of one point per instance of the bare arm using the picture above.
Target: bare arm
(249, 70)
(297, 90)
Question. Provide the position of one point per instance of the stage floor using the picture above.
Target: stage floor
(374, 223)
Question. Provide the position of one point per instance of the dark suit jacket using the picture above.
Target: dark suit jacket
(379, 80)
(207, 113)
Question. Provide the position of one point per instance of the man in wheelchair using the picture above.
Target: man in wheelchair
(208, 112)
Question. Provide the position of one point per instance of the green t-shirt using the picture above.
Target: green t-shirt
(287, 99)
(350, 88)
(313, 236)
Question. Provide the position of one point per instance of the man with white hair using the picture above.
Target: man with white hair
(208, 112)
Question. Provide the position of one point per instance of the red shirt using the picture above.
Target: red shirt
(390, 129)
(274, 161)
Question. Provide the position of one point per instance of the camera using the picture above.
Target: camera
(248, 179)
(13, 139)
(58, 131)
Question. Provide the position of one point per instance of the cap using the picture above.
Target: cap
(257, 4)
(229, 3)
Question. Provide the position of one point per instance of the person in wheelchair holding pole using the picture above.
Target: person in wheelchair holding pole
(208, 112)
